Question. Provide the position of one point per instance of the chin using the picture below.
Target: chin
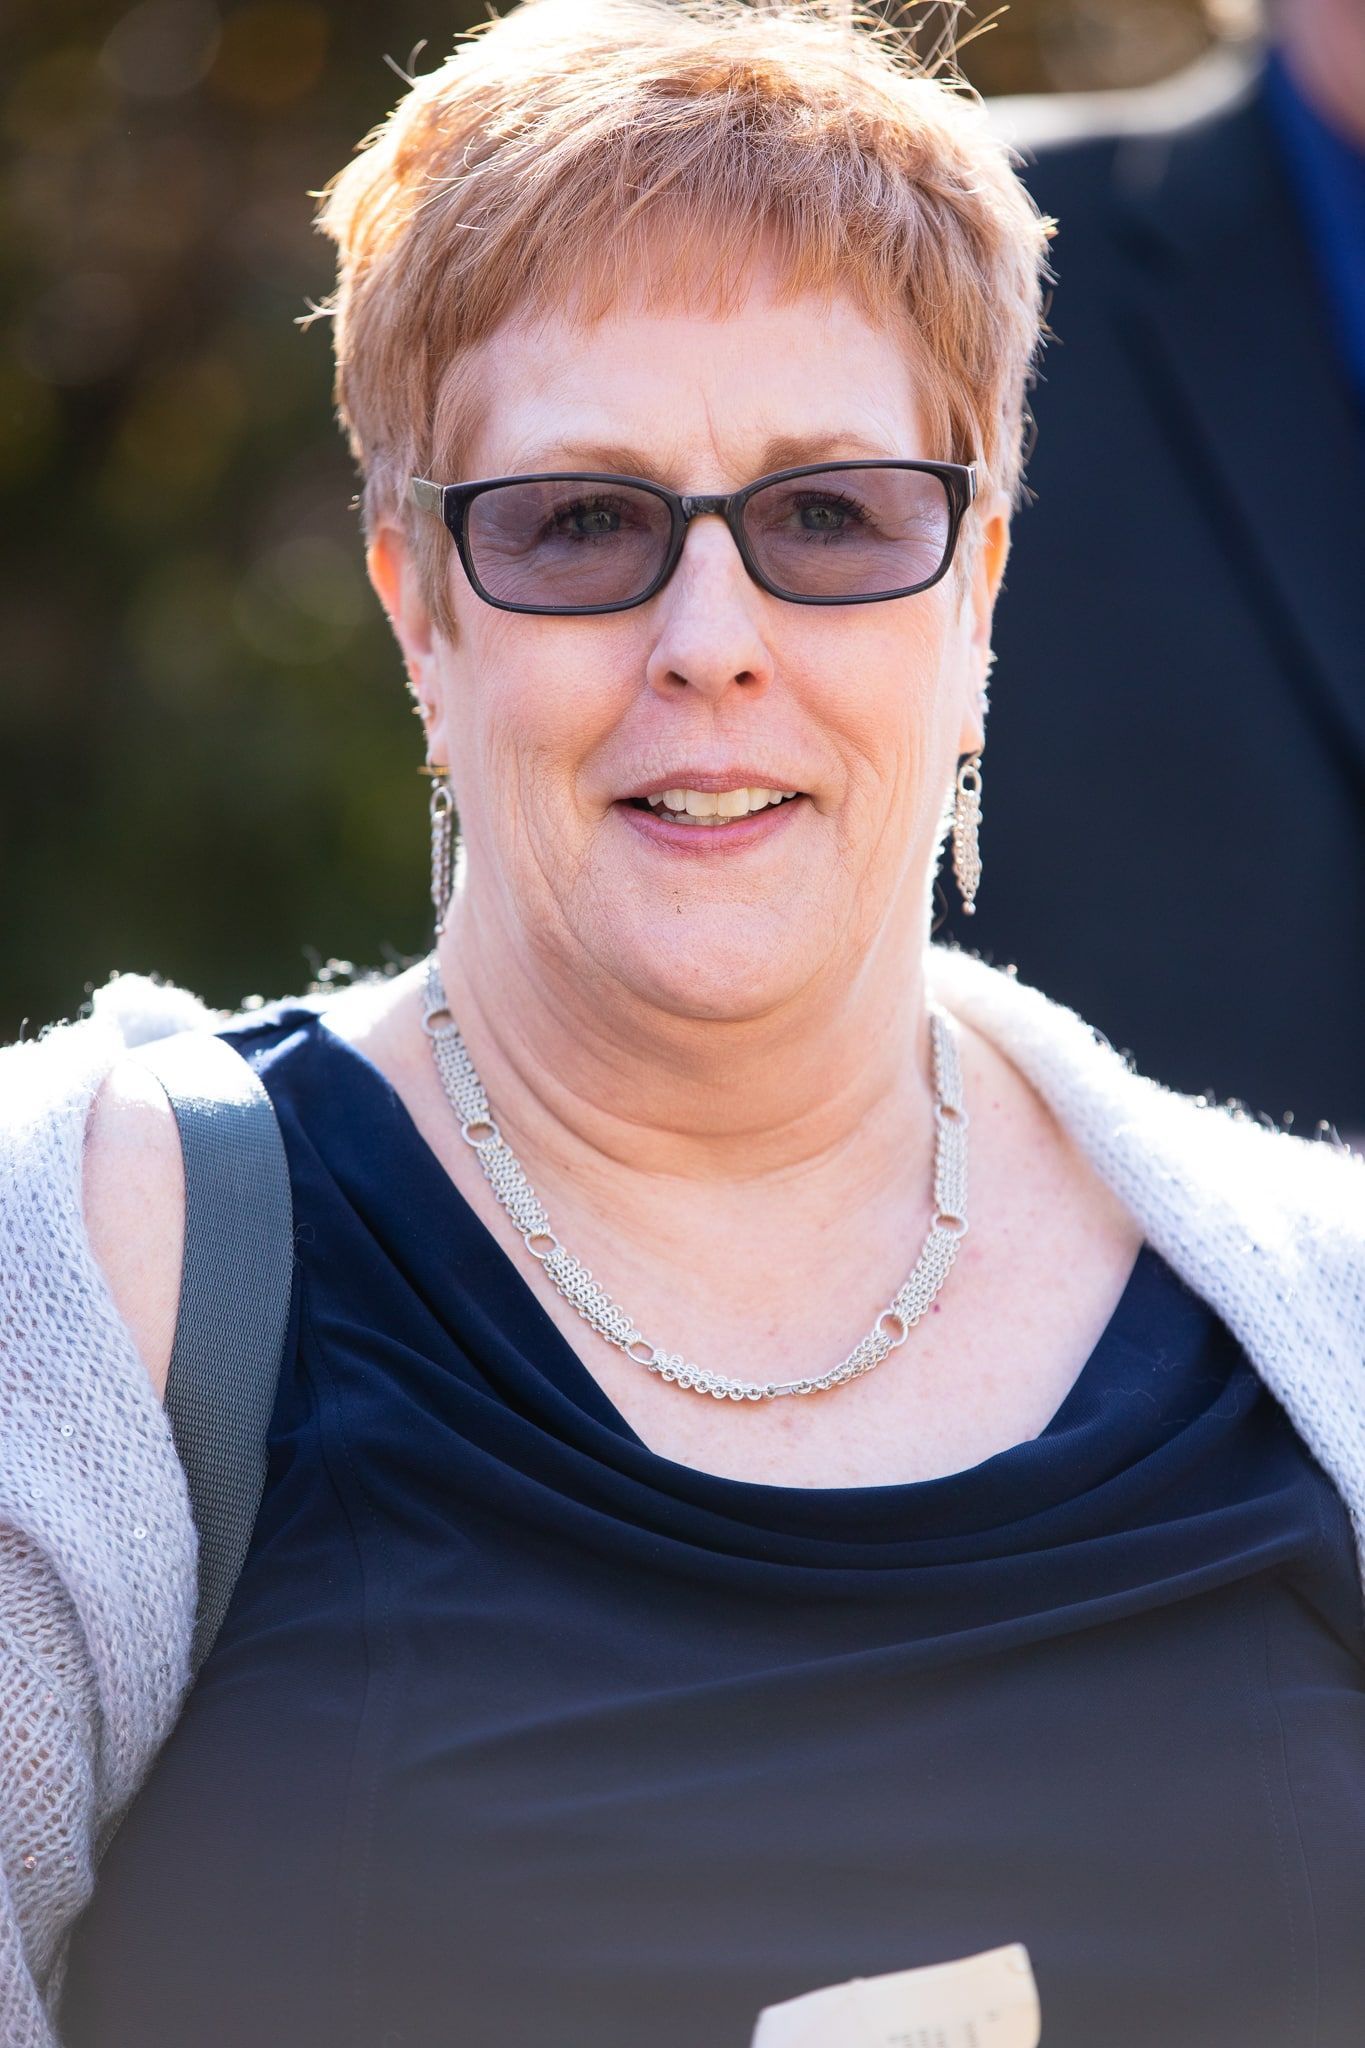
(726, 969)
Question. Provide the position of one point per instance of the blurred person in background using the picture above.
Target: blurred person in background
(576, 1688)
(1182, 647)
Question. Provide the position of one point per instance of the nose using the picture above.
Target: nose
(709, 615)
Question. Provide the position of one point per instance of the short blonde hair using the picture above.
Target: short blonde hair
(564, 146)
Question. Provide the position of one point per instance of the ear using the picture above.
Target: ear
(991, 550)
(389, 563)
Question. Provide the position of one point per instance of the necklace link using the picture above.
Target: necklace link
(505, 1176)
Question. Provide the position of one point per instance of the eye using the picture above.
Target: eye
(816, 514)
(829, 515)
(587, 519)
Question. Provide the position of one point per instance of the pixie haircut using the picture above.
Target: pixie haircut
(580, 155)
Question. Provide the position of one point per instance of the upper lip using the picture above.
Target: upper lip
(708, 779)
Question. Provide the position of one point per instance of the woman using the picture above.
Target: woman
(615, 1659)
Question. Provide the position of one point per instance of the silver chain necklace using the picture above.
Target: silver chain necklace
(504, 1175)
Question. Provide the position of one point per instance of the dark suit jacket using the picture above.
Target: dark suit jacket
(1173, 831)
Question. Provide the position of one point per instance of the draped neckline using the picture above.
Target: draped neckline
(1120, 1410)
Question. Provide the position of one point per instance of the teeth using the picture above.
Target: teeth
(712, 807)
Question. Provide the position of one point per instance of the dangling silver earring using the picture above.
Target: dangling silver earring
(966, 832)
(443, 838)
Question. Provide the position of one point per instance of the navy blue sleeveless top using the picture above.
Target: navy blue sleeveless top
(518, 1733)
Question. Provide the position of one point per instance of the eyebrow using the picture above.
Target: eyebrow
(785, 451)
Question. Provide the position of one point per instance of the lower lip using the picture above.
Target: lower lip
(701, 841)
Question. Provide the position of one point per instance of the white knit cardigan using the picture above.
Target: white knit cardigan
(97, 1546)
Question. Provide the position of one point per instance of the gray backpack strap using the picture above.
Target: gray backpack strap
(234, 1300)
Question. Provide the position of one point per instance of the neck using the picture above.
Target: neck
(596, 1080)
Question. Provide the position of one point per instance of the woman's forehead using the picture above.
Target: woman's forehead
(766, 386)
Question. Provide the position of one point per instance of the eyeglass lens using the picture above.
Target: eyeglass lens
(838, 533)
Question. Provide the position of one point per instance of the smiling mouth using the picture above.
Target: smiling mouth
(708, 807)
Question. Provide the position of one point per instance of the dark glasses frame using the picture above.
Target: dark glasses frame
(452, 502)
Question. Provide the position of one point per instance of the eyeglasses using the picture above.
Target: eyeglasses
(827, 533)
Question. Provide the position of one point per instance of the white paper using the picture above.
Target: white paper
(985, 2001)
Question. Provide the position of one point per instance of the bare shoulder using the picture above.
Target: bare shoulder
(134, 1200)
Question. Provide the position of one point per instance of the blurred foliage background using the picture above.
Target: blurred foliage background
(206, 752)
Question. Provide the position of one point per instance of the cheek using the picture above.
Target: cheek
(534, 706)
(890, 706)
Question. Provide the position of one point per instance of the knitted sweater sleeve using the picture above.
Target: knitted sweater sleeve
(97, 1542)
